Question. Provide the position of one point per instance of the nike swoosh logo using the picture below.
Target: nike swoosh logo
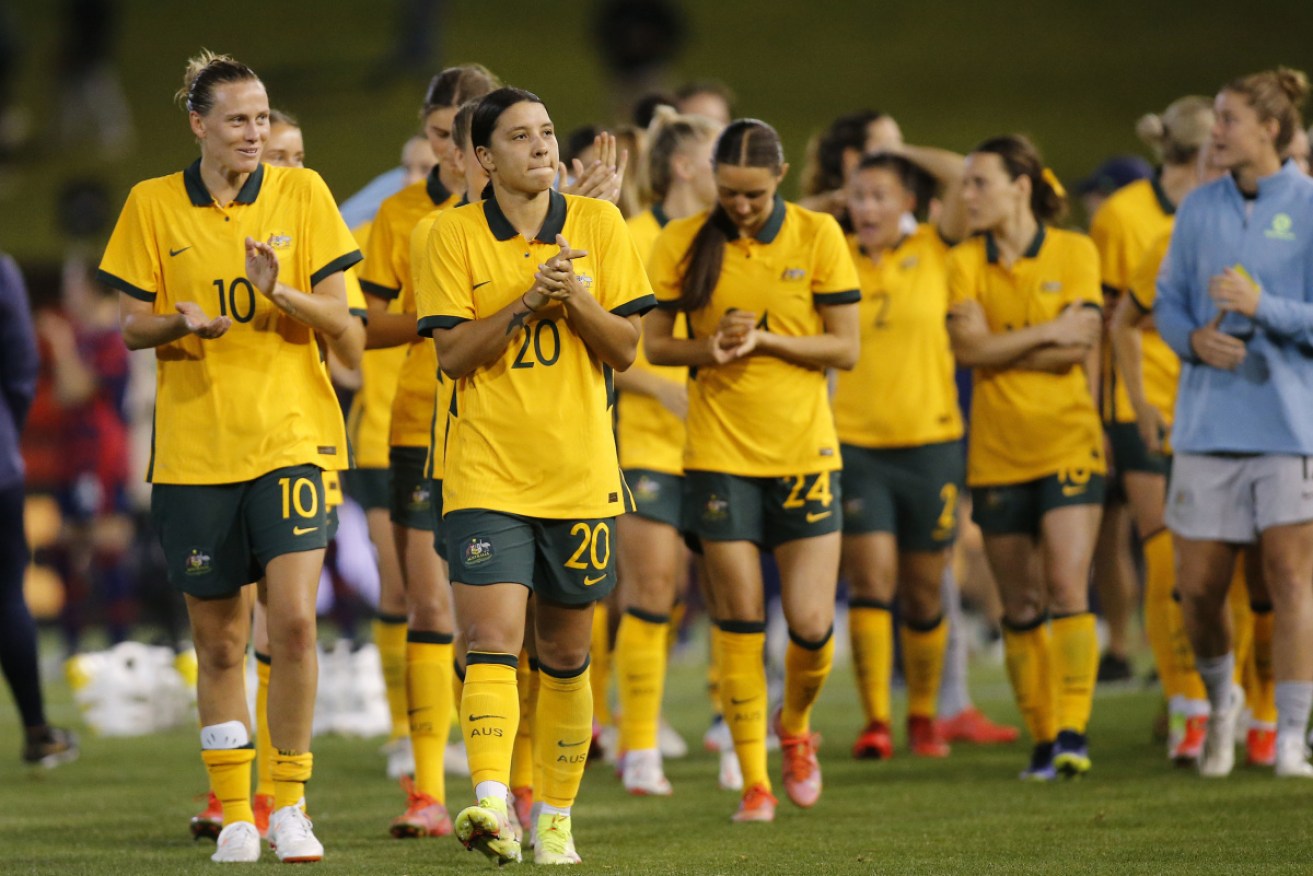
(477, 285)
(481, 717)
(174, 252)
(1072, 491)
(812, 518)
(564, 744)
(589, 582)
(738, 702)
(303, 530)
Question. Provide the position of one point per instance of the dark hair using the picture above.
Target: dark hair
(1275, 94)
(204, 73)
(455, 85)
(278, 117)
(1020, 158)
(669, 132)
(646, 108)
(744, 143)
(824, 171)
(490, 109)
(460, 124)
(907, 173)
(577, 141)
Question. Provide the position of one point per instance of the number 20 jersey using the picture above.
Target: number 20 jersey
(258, 398)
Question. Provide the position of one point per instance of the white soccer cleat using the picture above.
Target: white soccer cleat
(1218, 757)
(401, 757)
(643, 775)
(292, 837)
(717, 738)
(239, 843)
(1292, 759)
(730, 777)
(672, 744)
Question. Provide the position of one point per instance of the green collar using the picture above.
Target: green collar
(200, 196)
(1164, 202)
(502, 229)
(765, 234)
(1032, 251)
(438, 193)
(659, 215)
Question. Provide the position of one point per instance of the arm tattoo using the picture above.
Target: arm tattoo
(517, 321)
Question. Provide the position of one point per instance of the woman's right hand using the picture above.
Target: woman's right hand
(201, 325)
(1152, 427)
(674, 398)
(1076, 325)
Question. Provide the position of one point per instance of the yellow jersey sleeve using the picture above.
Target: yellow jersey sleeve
(1107, 233)
(1159, 364)
(625, 290)
(381, 275)
(834, 276)
(332, 246)
(132, 258)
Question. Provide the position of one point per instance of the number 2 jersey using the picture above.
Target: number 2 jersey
(258, 398)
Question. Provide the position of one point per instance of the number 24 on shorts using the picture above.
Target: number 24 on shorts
(818, 492)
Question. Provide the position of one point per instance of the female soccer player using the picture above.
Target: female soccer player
(770, 294)
(1025, 315)
(233, 236)
(1126, 229)
(652, 558)
(532, 299)
(387, 276)
(1233, 303)
(900, 432)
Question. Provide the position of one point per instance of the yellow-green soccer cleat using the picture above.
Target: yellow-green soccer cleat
(1071, 754)
(487, 828)
(554, 843)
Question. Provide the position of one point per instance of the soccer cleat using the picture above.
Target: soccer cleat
(974, 726)
(554, 842)
(424, 816)
(292, 836)
(718, 738)
(643, 774)
(670, 742)
(263, 807)
(758, 804)
(730, 777)
(1261, 746)
(486, 828)
(1218, 756)
(57, 746)
(401, 757)
(239, 843)
(1113, 669)
(209, 822)
(1071, 754)
(1292, 759)
(924, 738)
(1041, 764)
(1188, 745)
(522, 803)
(874, 743)
(802, 771)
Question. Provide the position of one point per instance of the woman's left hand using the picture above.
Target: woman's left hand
(556, 279)
(1232, 290)
(261, 266)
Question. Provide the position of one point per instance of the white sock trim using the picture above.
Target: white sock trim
(483, 790)
(229, 734)
(549, 809)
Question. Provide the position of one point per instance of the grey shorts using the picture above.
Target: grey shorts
(1233, 497)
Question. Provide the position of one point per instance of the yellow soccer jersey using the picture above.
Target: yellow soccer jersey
(1123, 229)
(762, 416)
(1029, 424)
(902, 392)
(530, 433)
(650, 436)
(370, 417)
(1159, 363)
(258, 398)
(423, 393)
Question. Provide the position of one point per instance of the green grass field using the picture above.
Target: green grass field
(123, 808)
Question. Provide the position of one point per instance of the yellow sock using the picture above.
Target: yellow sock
(264, 746)
(1242, 619)
(806, 667)
(715, 639)
(640, 665)
(743, 695)
(292, 770)
(390, 638)
(1075, 662)
(565, 704)
(526, 681)
(457, 688)
(600, 666)
(871, 627)
(429, 693)
(1161, 614)
(230, 780)
(1026, 652)
(677, 613)
(1260, 684)
(923, 665)
(532, 701)
(489, 715)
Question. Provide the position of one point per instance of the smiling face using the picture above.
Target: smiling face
(990, 196)
(1240, 137)
(877, 202)
(747, 194)
(233, 133)
(285, 147)
(522, 154)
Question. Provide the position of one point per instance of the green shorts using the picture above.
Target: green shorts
(908, 491)
(1129, 452)
(766, 511)
(657, 496)
(219, 537)
(411, 489)
(368, 486)
(569, 562)
(1017, 509)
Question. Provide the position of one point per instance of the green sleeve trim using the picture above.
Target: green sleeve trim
(359, 313)
(829, 299)
(1135, 299)
(638, 306)
(1090, 305)
(429, 323)
(387, 293)
(668, 306)
(341, 263)
(125, 287)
